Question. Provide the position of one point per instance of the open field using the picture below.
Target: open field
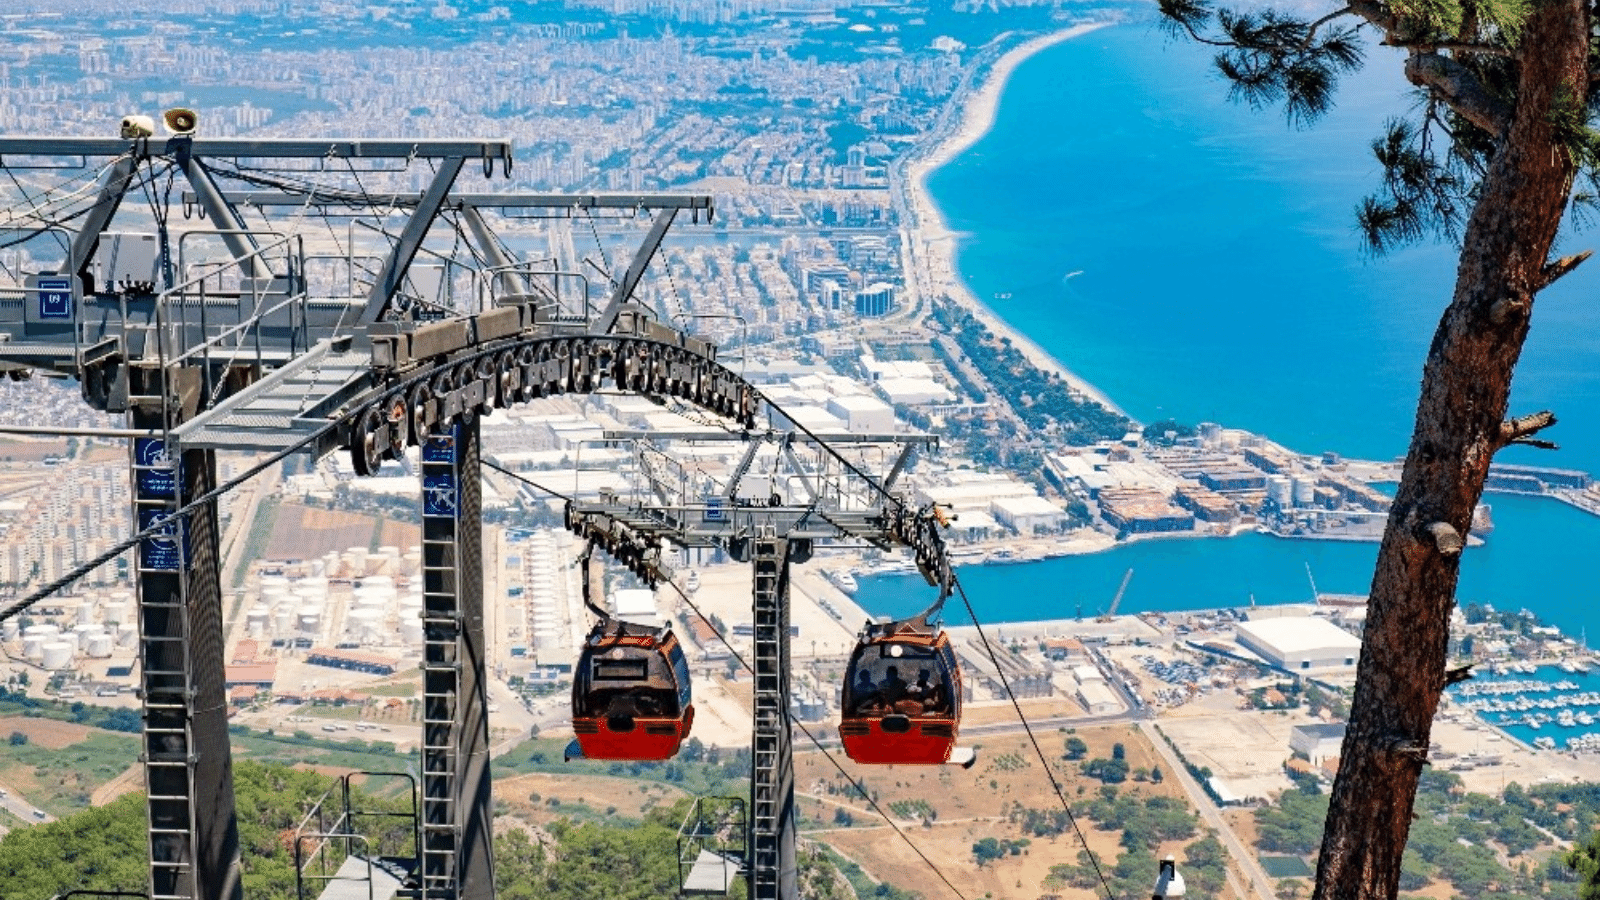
(49, 734)
(969, 805)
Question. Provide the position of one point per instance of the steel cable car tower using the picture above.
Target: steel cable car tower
(236, 337)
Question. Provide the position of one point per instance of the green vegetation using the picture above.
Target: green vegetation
(104, 849)
(697, 769)
(257, 538)
(1042, 399)
(1167, 432)
(990, 849)
(1460, 837)
(914, 809)
(66, 777)
(1110, 771)
(18, 703)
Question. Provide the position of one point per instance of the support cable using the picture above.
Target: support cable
(13, 609)
(1033, 739)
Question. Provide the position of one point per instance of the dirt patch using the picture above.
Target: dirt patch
(302, 532)
(131, 779)
(31, 449)
(529, 797)
(47, 733)
(399, 534)
(944, 811)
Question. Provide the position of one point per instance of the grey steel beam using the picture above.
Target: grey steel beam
(234, 232)
(491, 247)
(410, 240)
(487, 150)
(630, 279)
(634, 434)
(899, 466)
(715, 524)
(113, 187)
(334, 197)
(773, 872)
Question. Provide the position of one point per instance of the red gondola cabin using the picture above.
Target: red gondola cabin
(902, 697)
(630, 693)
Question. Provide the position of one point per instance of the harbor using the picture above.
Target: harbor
(1551, 706)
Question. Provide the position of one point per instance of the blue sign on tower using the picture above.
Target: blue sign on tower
(439, 495)
(55, 298)
(440, 448)
(162, 551)
(157, 478)
(714, 511)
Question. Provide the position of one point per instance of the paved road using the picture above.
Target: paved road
(1213, 817)
(21, 808)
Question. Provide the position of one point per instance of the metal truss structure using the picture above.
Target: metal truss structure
(265, 338)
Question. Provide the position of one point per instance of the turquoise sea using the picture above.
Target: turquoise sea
(1222, 280)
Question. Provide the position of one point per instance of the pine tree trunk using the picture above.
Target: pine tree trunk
(1466, 385)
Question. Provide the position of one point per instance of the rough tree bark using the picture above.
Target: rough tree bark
(1461, 423)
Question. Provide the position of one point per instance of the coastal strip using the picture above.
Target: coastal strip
(931, 242)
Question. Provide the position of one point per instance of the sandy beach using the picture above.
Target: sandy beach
(932, 243)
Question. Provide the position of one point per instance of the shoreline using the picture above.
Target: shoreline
(934, 244)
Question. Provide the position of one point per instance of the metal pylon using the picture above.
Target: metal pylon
(772, 816)
(193, 837)
(456, 830)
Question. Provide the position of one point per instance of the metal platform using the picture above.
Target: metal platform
(360, 878)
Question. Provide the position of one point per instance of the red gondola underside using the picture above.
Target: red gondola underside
(898, 739)
(632, 739)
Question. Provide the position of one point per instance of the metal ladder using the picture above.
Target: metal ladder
(772, 856)
(441, 684)
(165, 663)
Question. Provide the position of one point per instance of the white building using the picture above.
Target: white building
(1098, 699)
(636, 605)
(1026, 514)
(1304, 643)
(863, 414)
(914, 391)
(1318, 741)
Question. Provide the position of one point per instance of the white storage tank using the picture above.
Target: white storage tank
(127, 634)
(283, 620)
(1279, 490)
(82, 634)
(99, 646)
(33, 646)
(365, 624)
(116, 612)
(86, 611)
(1305, 491)
(57, 654)
(356, 559)
(410, 631)
(10, 630)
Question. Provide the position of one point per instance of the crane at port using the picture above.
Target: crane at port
(1111, 610)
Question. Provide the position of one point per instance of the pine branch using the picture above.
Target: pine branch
(1556, 269)
(1520, 429)
(1458, 88)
